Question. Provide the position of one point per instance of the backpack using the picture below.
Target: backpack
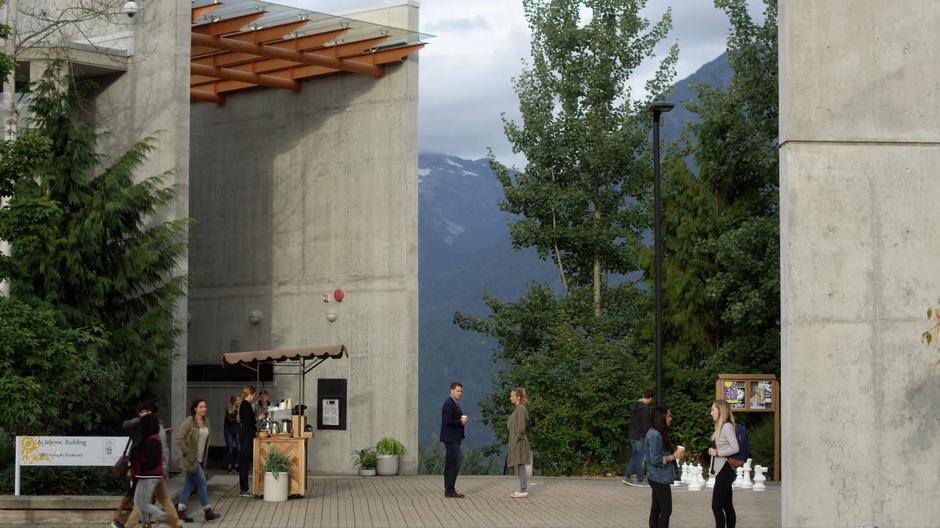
(744, 446)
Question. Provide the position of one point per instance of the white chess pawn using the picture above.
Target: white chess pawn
(739, 478)
(711, 480)
(747, 482)
(681, 479)
(685, 473)
(699, 474)
(759, 478)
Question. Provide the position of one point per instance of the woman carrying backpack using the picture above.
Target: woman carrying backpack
(147, 468)
(659, 459)
(725, 444)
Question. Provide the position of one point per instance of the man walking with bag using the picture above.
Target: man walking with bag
(639, 425)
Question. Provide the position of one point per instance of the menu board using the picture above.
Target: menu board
(735, 393)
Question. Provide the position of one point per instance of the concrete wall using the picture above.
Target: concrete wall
(295, 195)
(859, 131)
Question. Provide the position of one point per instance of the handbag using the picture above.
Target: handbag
(123, 464)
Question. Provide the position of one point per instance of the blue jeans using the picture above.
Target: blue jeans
(636, 461)
(231, 446)
(195, 480)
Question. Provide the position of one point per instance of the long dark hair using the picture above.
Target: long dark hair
(659, 423)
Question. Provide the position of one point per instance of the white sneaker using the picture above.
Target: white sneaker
(520, 494)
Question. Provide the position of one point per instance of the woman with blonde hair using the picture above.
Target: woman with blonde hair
(724, 444)
(519, 452)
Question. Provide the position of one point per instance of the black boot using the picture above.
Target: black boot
(211, 514)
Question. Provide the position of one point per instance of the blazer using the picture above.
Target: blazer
(451, 427)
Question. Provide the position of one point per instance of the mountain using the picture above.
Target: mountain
(465, 251)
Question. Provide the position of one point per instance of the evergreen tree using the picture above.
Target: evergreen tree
(101, 259)
(722, 286)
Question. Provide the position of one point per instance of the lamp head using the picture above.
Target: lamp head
(130, 8)
(661, 107)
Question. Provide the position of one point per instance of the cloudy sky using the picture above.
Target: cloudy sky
(478, 46)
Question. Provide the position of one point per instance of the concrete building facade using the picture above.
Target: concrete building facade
(859, 150)
(292, 194)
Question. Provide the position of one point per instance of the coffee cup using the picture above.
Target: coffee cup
(464, 418)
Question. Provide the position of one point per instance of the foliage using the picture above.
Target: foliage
(584, 137)
(39, 357)
(722, 286)
(582, 373)
(933, 314)
(390, 446)
(365, 458)
(476, 461)
(6, 62)
(276, 463)
(85, 246)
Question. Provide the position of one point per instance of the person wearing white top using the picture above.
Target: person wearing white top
(725, 444)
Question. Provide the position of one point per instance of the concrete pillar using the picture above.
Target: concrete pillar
(859, 86)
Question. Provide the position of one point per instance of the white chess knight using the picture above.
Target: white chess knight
(759, 478)
(696, 481)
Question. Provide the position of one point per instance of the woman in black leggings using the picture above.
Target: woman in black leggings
(659, 459)
(725, 445)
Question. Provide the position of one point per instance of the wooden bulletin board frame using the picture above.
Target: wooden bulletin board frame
(756, 388)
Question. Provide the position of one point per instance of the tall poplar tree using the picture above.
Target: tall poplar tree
(584, 137)
(580, 201)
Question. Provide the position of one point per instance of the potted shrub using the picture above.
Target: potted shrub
(388, 450)
(365, 459)
(276, 476)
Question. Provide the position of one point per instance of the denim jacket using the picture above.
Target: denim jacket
(660, 471)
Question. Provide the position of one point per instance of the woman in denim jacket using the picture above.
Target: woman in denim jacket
(659, 459)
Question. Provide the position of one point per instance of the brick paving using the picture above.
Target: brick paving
(418, 501)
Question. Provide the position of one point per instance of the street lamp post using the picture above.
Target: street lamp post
(658, 108)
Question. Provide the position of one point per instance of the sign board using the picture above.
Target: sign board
(753, 393)
(331, 412)
(67, 451)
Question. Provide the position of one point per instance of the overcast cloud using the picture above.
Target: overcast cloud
(479, 45)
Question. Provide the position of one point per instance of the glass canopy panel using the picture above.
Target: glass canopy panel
(277, 14)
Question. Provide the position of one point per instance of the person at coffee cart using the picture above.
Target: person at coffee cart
(263, 404)
(247, 417)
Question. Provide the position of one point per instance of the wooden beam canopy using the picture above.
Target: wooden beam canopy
(240, 51)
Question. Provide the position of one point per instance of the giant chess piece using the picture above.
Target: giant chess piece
(739, 478)
(686, 477)
(711, 480)
(747, 483)
(695, 478)
(759, 478)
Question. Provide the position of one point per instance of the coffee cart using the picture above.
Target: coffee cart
(292, 444)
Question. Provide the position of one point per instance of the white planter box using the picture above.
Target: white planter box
(367, 472)
(387, 466)
(275, 489)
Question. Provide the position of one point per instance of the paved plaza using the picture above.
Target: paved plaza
(418, 501)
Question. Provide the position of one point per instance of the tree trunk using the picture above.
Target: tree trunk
(9, 110)
(597, 268)
(9, 85)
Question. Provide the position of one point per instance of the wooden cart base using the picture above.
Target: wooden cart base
(292, 448)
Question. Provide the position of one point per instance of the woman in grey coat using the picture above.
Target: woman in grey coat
(519, 452)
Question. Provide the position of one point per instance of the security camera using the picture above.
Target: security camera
(130, 8)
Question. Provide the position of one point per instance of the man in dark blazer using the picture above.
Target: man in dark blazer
(453, 421)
